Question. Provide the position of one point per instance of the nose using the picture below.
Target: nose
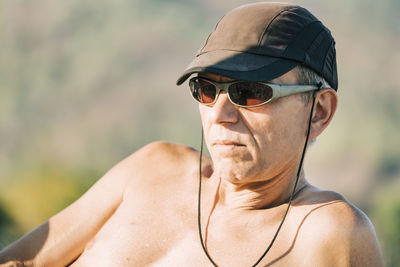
(223, 111)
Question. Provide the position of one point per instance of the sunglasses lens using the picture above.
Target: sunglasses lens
(202, 90)
(249, 93)
(241, 93)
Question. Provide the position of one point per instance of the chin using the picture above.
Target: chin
(233, 172)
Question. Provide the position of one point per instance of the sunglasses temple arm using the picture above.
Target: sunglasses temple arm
(286, 90)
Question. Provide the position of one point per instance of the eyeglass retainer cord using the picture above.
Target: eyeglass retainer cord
(290, 199)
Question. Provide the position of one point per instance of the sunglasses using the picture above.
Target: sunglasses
(243, 93)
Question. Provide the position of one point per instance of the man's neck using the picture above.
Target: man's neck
(259, 195)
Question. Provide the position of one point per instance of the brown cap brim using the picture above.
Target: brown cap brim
(238, 65)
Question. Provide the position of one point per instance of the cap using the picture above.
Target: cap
(262, 41)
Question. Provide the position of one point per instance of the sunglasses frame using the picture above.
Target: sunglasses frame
(278, 90)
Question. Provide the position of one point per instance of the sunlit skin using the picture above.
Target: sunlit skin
(256, 151)
(144, 210)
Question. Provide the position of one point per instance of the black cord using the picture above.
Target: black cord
(199, 203)
(290, 199)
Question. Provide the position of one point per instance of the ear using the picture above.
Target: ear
(324, 109)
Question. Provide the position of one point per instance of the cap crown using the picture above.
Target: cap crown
(271, 31)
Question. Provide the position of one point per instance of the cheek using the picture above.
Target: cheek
(205, 122)
(204, 117)
(278, 135)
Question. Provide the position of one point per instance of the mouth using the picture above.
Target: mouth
(227, 143)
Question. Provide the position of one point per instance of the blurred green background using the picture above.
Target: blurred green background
(83, 84)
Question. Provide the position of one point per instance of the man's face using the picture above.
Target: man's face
(255, 144)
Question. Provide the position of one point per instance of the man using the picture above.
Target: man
(266, 81)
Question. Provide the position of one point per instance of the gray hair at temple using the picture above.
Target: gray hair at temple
(308, 76)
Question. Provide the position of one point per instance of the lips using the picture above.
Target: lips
(227, 143)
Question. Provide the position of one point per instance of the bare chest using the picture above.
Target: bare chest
(150, 233)
(156, 239)
(146, 232)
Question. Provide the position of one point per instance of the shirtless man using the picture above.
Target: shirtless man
(144, 211)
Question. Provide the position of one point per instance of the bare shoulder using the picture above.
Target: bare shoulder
(161, 156)
(161, 164)
(340, 231)
(164, 151)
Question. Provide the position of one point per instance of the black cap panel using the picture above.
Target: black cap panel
(256, 38)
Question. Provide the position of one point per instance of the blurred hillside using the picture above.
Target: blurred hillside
(83, 84)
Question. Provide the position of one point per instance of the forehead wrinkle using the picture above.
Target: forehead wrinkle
(290, 77)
